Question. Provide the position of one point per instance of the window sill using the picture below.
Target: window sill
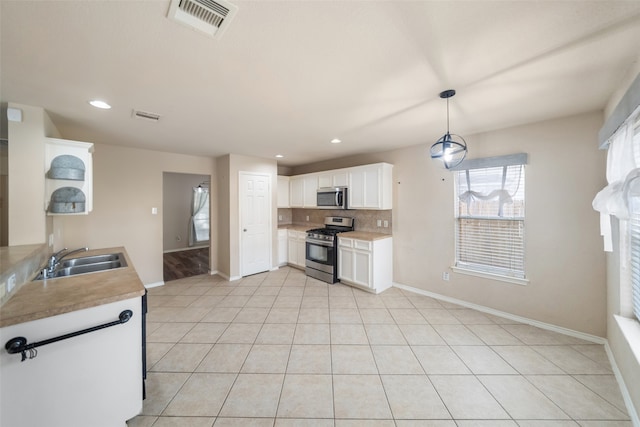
(501, 278)
(631, 330)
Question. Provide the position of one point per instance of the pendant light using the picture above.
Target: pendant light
(451, 151)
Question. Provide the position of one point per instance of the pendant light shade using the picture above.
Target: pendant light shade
(449, 149)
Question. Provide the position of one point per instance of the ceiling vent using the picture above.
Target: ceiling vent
(145, 115)
(207, 16)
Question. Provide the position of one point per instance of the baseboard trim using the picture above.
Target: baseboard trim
(229, 278)
(188, 248)
(154, 285)
(633, 414)
(548, 326)
(213, 272)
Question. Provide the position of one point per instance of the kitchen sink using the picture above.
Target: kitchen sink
(84, 265)
(95, 259)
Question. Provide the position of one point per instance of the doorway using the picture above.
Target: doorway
(255, 223)
(186, 232)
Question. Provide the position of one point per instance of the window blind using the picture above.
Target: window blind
(490, 215)
(634, 229)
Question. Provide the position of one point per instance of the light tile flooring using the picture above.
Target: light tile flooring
(280, 349)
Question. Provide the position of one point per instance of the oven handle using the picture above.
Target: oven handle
(319, 242)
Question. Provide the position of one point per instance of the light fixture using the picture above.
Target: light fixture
(279, 156)
(335, 141)
(100, 104)
(451, 151)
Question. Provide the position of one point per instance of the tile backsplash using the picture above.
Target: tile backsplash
(365, 220)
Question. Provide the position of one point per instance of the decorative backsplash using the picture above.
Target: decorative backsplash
(365, 220)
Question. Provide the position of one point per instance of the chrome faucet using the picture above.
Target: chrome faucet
(54, 260)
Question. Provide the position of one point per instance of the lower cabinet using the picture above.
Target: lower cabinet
(283, 253)
(366, 264)
(296, 248)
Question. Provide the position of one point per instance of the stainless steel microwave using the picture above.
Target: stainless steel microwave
(332, 198)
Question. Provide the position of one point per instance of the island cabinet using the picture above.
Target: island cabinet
(366, 262)
(296, 248)
(93, 379)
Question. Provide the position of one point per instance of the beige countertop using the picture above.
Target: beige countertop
(297, 227)
(364, 235)
(44, 298)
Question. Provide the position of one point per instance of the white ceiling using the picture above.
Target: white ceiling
(288, 76)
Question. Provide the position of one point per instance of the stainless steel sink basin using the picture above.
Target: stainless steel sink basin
(84, 265)
(92, 260)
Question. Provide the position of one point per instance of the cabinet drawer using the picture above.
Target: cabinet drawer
(345, 243)
(363, 245)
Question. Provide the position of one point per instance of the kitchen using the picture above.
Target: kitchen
(422, 220)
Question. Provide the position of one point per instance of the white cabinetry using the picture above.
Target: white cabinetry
(296, 248)
(69, 177)
(283, 253)
(303, 191)
(370, 186)
(366, 264)
(94, 379)
(283, 191)
(334, 178)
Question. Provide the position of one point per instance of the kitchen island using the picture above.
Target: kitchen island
(93, 379)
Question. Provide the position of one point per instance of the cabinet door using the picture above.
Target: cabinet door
(283, 191)
(372, 187)
(292, 251)
(341, 179)
(302, 254)
(325, 180)
(345, 264)
(282, 247)
(356, 189)
(362, 268)
(310, 191)
(296, 195)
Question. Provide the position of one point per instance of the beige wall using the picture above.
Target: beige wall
(177, 196)
(127, 184)
(28, 222)
(564, 259)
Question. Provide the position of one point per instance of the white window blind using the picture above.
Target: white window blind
(490, 213)
(633, 202)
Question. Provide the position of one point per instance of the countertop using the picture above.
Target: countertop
(296, 227)
(45, 298)
(364, 235)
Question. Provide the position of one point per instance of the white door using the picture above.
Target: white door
(255, 223)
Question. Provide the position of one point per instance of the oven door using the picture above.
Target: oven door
(320, 255)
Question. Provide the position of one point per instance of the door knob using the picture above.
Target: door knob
(245, 230)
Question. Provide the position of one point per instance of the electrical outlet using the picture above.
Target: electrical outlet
(154, 211)
(178, 238)
(51, 239)
(379, 223)
(445, 276)
(307, 217)
(279, 217)
(11, 283)
(386, 223)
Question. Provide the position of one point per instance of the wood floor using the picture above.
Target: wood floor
(187, 263)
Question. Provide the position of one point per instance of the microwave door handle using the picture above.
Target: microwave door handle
(337, 198)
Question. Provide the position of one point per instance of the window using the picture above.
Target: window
(633, 202)
(490, 206)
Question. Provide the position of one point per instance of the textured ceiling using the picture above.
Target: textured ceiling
(289, 76)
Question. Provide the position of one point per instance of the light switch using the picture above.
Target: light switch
(154, 211)
(14, 114)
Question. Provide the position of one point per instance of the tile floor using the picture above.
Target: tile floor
(280, 349)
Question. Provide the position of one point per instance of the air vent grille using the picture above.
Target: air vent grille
(208, 16)
(145, 115)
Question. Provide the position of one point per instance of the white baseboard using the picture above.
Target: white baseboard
(633, 414)
(228, 278)
(559, 329)
(154, 285)
(213, 272)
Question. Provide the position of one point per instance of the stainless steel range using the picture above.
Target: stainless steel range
(322, 248)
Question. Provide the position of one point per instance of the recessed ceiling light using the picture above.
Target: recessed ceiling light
(100, 104)
(335, 141)
(279, 156)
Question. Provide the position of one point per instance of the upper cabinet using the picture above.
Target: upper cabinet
(369, 187)
(69, 177)
(283, 191)
(303, 190)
